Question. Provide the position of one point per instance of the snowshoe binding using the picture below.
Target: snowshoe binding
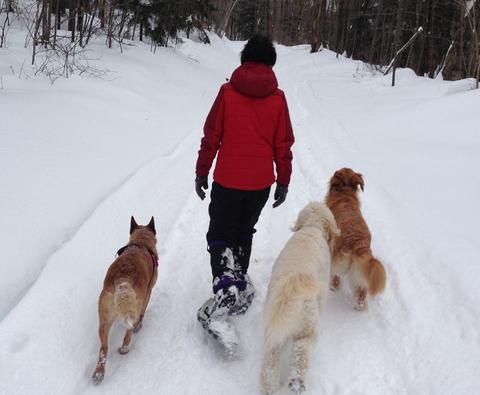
(245, 296)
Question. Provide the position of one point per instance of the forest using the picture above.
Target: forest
(443, 34)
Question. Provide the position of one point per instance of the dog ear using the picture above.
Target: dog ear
(133, 225)
(151, 226)
(330, 225)
(336, 181)
(359, 181)
(301, 220)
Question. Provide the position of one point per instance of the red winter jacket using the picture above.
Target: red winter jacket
(250, 126)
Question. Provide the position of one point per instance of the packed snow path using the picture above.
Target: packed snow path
(418, 148)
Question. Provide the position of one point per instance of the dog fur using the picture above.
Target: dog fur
(351, 253)
(296, 294)
(126, 290)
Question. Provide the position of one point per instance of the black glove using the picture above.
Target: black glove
(280, 194)
(201, 183)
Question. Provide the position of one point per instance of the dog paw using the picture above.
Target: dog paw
(269, 380)
(97, 377)
(361, 306)
(296, 385)
(270, 390)
(123, 350)
(269, 387)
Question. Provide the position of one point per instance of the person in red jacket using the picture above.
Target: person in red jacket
(249, 126)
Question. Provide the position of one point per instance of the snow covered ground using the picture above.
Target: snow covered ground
(70, 183)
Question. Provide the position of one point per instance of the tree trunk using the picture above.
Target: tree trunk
(71, 19)
(45, 22)
(38, 20)
(101, 13)
(80, 16)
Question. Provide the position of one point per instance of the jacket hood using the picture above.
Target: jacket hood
(254, 79)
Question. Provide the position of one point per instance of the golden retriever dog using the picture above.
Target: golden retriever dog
(296, 294)
(351, 253)
(127, 289)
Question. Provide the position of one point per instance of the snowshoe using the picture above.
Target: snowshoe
(231, 297)
(222, 333)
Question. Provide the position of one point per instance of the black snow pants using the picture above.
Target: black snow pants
(233, 215)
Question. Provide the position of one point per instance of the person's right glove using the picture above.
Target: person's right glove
(201, 183)
(280, 194)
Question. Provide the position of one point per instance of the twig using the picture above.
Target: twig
(21, 69)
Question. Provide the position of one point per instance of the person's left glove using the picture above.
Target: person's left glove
(280, 194)
(201, 183)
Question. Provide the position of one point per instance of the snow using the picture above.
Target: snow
(469, 5)
(80, 156)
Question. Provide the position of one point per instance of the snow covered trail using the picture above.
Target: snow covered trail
(57, 169)
(417, 147)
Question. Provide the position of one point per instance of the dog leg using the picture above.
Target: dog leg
(361, 296)
(270, 377)
(302, 343)
(126, 342)
(99, 372)
(138, 324)
(335, 283)
(299, 364)
(341, 263)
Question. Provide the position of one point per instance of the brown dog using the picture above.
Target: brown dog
(351, 250)
(127, 289)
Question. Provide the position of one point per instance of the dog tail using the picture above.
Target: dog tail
(125, 301)
(377, 276)
(284, 306)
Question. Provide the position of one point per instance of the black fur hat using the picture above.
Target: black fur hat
(259, 49)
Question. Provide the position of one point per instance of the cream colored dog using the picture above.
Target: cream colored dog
(296, 294)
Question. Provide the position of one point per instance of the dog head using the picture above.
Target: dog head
(346, 179)
(318, 215)
(143, 234)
